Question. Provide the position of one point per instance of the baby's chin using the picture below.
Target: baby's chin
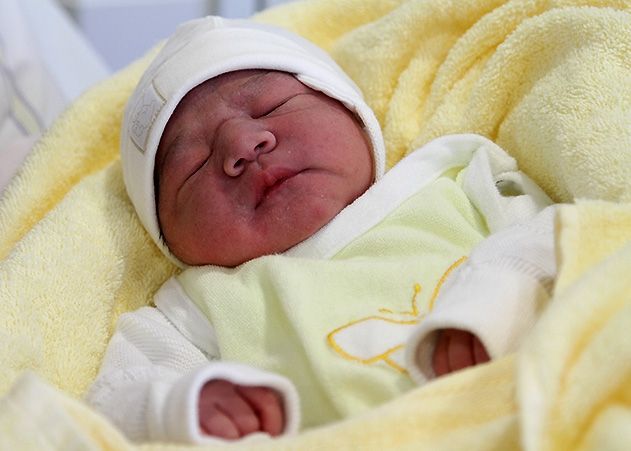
(268, 236)
(231, 256)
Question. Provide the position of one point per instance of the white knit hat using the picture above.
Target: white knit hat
(205, 48)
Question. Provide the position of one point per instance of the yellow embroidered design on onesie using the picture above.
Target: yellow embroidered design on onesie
(355, 340)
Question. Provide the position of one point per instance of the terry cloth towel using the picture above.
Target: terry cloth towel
(574, 374)
(549, 81)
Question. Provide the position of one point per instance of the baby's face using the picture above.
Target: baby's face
(253, 162)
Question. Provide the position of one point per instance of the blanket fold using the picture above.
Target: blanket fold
(574, 378)
(548, 80)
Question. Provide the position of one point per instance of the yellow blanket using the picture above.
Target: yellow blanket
(550, 81)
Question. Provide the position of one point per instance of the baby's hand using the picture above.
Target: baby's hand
(233, 411)
(457, 349)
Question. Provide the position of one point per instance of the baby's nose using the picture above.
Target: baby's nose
(242, 141)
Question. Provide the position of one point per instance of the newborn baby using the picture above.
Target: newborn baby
(313, 286)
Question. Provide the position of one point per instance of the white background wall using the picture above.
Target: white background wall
(123, 30)
(243, 8)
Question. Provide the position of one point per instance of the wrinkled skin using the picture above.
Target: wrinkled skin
(252, 163)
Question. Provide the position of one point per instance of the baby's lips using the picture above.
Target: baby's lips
(270, 179)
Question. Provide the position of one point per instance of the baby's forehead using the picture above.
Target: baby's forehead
(243, 85)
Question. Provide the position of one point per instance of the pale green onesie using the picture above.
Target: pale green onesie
(333, 314)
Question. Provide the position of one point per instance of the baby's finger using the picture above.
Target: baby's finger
(214, 422)
(479, 351)
(440, 361)
(460, 350)
(268, 405)
(240, 412)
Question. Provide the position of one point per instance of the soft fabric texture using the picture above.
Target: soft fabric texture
(203, 49)
(574, 372)
(303, 317)
(334, 316)
(289, 313)
(547, 80)
(509, 276)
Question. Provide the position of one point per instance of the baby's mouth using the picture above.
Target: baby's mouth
(273, 180)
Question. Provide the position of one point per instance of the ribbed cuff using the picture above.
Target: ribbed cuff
(180, 411)
(499, 307)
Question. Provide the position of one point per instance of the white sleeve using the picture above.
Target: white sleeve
(498, 293)
(151, 377)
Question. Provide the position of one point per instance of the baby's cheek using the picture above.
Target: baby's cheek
(321, 211)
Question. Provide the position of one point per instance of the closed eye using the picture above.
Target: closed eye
(195, 159)
(275, 107)
(195, 168)
(279, 105)
(290, 99)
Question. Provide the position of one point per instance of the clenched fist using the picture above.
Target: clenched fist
(457, 349)
(231, 411)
